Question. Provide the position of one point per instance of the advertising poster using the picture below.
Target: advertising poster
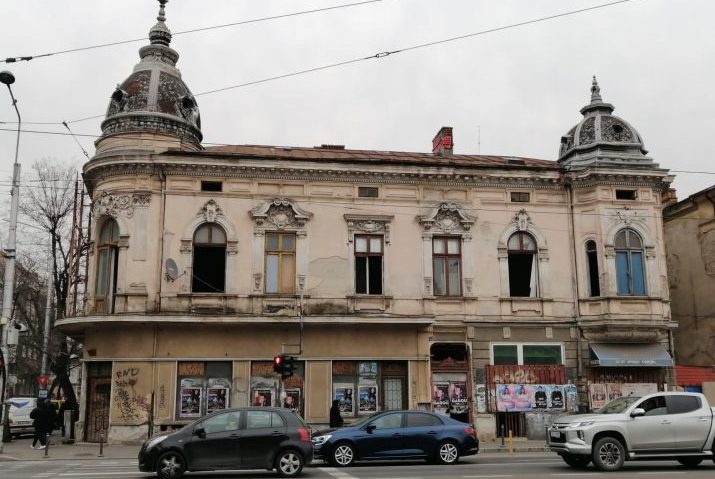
(556, 396)
(262, 397)
(368, 399)
(597, 395)
(344, 394)
(291, 400)
(481, 398)
(514, 397)
(216, 399)
(367, 369)
(541, 397)
(190, 403)
(458, 397)
(638, 389)
(522, 400)
(440, 398)
(614, 391)
(571, 394)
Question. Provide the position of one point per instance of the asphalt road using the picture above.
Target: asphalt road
(486, 466)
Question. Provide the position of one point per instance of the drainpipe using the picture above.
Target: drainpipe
(575, 288)
(162, 210)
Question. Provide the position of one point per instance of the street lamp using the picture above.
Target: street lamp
(8, 288)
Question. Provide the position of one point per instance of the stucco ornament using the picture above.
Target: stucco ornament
(114, 205)
(522, 220)
(447, 217)
(210, 211)
(627, 216)
(370, 224)
(280, 213)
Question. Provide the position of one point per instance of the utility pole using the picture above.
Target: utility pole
(48, 312)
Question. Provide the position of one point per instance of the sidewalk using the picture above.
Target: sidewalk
(19, 450)
(519, 445)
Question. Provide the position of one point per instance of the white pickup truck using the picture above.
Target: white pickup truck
(666, 425)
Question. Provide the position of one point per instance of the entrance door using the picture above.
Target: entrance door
(98, 395)
(392, 388)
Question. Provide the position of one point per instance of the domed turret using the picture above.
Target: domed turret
(602, 138)
(153, 101)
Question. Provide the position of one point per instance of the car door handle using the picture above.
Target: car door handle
(704, 419)
(665, 422)
(397, 434)
(432, 432)
(234, 436)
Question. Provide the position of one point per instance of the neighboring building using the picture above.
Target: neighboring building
(690, 243)
(479, 286)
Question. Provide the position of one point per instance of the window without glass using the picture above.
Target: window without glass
(107, 253)
(629, 263)
(280, 263)
(368, 264)
(446, 265)
(209, 262)
(523, 276)
(594, 288)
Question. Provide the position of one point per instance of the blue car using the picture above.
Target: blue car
(397, 435)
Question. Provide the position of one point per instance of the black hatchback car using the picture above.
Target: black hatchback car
(397, 435)
(245, 438)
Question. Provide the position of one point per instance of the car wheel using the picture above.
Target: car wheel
(343, 455)
(608, 454)
(289, 463)
(576, 461)
(447, 453)
(690, 461)
(170, 465)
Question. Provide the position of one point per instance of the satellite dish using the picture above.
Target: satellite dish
(171, 270)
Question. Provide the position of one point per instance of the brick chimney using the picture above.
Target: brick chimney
(443, 142)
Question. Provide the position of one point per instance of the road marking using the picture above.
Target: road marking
(489, 475)
(335, 472)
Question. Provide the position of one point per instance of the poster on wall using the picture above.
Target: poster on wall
(514, 397)
(571, 394)
(638, 389)
(614, 391)
(190, 403)
(291, 400)
(367, 396)
(367, 369)
(262, 397)
(556, 396)
(344, 394)
(440, 398)
(458, 397)
(216, 399)
(597, 395)
(481, 398)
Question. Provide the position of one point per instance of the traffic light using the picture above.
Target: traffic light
(284, 365)
(278, 364)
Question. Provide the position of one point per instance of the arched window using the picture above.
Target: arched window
(594, 288)
(209, 262)
(106, 284)
(523, 274)
(629, 263)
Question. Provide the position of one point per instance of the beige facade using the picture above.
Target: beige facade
(392, 277)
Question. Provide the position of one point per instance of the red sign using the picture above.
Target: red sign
(43, 380)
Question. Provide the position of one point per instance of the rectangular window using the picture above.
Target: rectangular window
(368, 192)
(280, 263)
(626, 194)
(446, 265)
(525, 354)
(519, 197)
(368, 264)
(210, 186)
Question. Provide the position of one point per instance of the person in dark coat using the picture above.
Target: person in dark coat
(336, 420)
(43, 419)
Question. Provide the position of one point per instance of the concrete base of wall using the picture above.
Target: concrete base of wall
(128, 434)
(486, 427)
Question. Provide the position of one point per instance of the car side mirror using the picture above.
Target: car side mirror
(637, 412)
(201, 432)
(370, 428)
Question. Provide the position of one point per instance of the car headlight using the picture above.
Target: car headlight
(320, 440)
(154, 441)
(582, 424)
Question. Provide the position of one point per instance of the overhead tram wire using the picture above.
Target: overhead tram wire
(384, 54)
(193, 30)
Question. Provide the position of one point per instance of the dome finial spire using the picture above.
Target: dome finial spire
(161, 16)
(160, 33)
(595, 91)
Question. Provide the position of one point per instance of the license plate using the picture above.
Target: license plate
(555, 434)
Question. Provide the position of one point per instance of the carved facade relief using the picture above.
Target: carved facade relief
(280, 214)
(522, 220)
(369, 224)
(448, 218)
(626, 216)
(210, 211)
(115, 205)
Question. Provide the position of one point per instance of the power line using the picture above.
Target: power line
(194, 30)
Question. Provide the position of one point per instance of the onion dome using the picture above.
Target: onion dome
(601, 138)
(154, 99)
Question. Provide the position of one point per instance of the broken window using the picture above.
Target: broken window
(209, 262)
(107, 252)
(629, 263)
(280, 263)
(446, 265)
(523, 275)
(368, 264)
(594, 288)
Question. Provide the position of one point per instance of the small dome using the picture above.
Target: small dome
(154, 98)
(600, 129)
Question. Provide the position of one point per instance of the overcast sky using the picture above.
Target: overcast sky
(513, 92)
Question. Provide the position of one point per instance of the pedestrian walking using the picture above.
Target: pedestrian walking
(43, 418)
(336, 420)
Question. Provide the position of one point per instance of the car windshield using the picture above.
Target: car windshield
(617, 406)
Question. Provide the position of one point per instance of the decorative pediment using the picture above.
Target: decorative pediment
(446, 218)
(115, 205)
(210, 211)
(369, 224)
(280, 213)
(522, 220)
(626, 217)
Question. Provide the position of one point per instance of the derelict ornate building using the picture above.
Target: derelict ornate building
(399, 280)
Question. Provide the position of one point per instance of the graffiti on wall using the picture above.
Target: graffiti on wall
(130, 406)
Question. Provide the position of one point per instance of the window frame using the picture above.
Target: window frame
(520, 350)
(594, 285)
(367, 254)
(109, 249)
(446, 256)
(208, 245)
(629, 251)
(280, 254)
(522, 251)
